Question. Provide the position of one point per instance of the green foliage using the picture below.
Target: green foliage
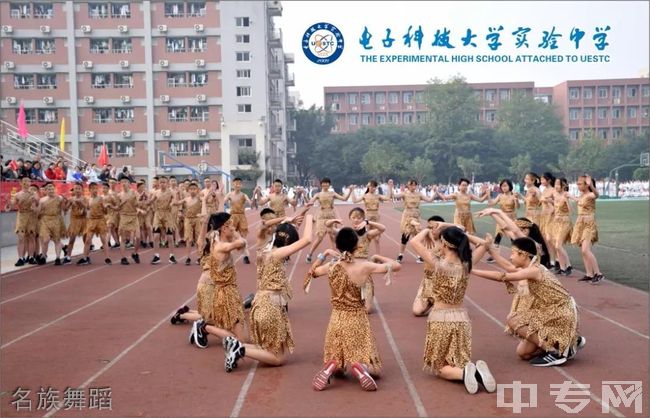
(641, 173)
(311, 126)
(382, 161)
(421, 169)
(520, 165)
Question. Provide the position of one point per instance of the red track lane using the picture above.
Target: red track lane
(155, 372)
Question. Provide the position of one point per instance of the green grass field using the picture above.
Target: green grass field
(622, 249)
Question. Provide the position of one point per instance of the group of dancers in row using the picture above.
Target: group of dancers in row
(543, 314)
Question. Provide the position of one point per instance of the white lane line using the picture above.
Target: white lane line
(592, 395)
(419, 407)
(120, 356)
(241, 397)
(96, 301)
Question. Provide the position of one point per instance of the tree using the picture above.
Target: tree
(469, 166)
(382, 161)
(520, 165)
(641, 173)
(311, 126)
(419, 169)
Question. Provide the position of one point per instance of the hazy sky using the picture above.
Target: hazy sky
(628, 38)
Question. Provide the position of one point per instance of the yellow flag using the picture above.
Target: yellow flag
(62, 135)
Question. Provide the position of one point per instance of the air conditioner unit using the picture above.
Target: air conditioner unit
(47, 65)
(126, 134)
(354, 108)
(9, 65)
(86, 29)
(125, 99)
(199, 63)
(380, 108)
(87, 64)
(124, 64)
(201, 132)
(7, 29)
(162, 28)
(48, 99)
(198, 27)
(201, 97)
(49, 135)
(166, 133)
(164, 63)
(46, 29)
(617, 101)
(89, 134)
(10, 100)
(409, 107)
(89, 99)
(164, 98)
(123, 28)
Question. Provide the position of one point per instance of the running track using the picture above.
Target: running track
(108, 326)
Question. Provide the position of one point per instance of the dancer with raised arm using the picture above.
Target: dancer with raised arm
(371, 200)
(463, 199)
(412, 198)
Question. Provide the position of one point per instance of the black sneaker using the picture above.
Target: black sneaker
(67, 259)
(597, 278)
(419, 260)
(573, 350)
(188, 261)
(124, 261)
(143, 244)
(235, 352)
(248, 302)
(116, 245)
(150, 244)
(469, 378)
(92, 247)
(107, 261)
(136, 258)
(484, 376)
(201, 335)
(490, 260)
(308, 260)
(586, 278)
(32, 260)
(400, 258)
(84, 261)
(20, 263)
(568, 271)
(65, 249)
(556, 267)
(192, 336)
(155, 260)
(246, 260)
(41, 260)
(57, 262)
(176, 318)
(172, 259)
(548, 359)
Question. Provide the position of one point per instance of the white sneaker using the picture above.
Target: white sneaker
(469, 378)
(485, 377)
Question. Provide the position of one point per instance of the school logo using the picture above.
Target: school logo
(322, 43)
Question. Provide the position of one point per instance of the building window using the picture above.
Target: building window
(196, 9)
(602, 133)
(243, 56)
(177, 114)
(421, 117)
(380, 119)
(198, 79)
(124, 149)
(393, 97)
(45, 46)
(587, 93)
(174, 9)
(365, 98)
(617, 133)
(99, 46)
(602, 113)
(243, 39)
(602, 92)
(48, 116)
(242, 22)
(245, 142)
(574, 93)
(199, 148)
(504, 95)
(631, 132)
(98, 10)
(365, 119)
(24, 81)
(616, 92)
(419, 97)
(123, 80)
(352, 98)
(175, 44)
(120, 10)
(243, 73)
(199, 113)
(380, 98)
(30, 115)
(43, 11)
(124, 115)
(644, 112)
(122, 46)
(243, 91)
(574, 114)
(616, 113)
(631, 112)
(393, 118)
(491, 116)
(645, 91)
(352, 119)
(22, 46)
(102, 115)
(46, 81)
(176, 80)
(574, 134)
(19, 10)
(408, 118)
(97, 149)
(100, 80)
(336, 107)
(244, 108)
(198, 44)
(631, 91)
(490, 95)
(178, 148)
(587, 113)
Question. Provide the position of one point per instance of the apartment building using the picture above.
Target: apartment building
(166, 85)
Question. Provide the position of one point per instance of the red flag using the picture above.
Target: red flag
(103, 156)
(22, 122)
